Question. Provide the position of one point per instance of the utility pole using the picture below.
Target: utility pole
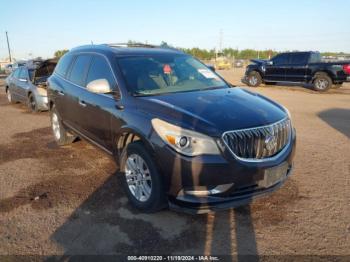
(220, 42)
(8, 46)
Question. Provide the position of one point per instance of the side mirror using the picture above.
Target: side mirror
(99, 86)
(269, 62)
(23, 80)
(211, 67)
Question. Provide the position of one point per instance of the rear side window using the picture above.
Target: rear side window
(79, 70)
(100, 69)
(63, 65)
(281, 59)
(298, 59)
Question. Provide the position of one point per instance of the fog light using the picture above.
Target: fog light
(204, 191)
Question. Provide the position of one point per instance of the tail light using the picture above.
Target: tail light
(346, 69)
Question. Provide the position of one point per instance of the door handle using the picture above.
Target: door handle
(82, 103)
(120, 107)
(60, 93)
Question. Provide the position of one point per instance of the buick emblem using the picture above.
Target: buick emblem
(270, 143)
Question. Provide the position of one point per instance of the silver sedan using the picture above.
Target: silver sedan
(28, 85)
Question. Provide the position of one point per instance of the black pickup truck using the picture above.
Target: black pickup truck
(298, 67)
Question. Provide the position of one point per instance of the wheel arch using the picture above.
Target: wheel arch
(254, 69)
(327, 72)
(127, 135)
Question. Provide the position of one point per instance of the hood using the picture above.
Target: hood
(259, 61)
(213, 112)
(44, 70)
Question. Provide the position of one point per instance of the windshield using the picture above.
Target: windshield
(153, 75)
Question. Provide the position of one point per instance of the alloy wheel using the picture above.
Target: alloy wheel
(9, 96)
(322, 84)
(32, 103)
(138, 177)
(56, 126)
(253, 80)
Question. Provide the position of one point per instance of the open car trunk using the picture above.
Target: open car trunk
(43, 71)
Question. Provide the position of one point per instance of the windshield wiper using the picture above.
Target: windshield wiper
(211, 88)
(140, 94)
(137, 94)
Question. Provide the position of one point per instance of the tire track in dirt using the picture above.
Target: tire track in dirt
(73, 172)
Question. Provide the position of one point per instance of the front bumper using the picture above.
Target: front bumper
(185, 174)
(42, 102)
(230, 199)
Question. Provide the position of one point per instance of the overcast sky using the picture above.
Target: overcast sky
(40, 27)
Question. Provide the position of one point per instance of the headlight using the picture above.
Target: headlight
(42, 91)
(288, 113)
(185, 141)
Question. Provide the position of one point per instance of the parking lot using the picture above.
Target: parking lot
(69, 200)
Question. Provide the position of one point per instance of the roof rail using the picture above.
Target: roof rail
(132, 45)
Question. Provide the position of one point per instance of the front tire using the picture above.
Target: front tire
(142, 182)
(9, 96)
(61, 135)
(254, 79)
(32, 105)
(322, 82)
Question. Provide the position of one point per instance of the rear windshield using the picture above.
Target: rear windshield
(153, 75)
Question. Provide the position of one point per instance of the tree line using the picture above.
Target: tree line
(205, 54)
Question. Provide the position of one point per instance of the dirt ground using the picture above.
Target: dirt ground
(69, 200)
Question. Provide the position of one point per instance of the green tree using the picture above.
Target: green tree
(60, 53)
(164, 44)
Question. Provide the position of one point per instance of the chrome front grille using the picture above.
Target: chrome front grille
(260, 142)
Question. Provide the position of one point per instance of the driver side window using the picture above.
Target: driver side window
(281, 59)
(100, 69)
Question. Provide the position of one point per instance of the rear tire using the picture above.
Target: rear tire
(322, 82)
(61, 135)
(254, 79)
(141, 179)
(32, 105)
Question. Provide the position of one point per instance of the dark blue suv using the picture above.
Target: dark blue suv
(182, 136)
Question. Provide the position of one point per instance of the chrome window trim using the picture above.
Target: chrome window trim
(254, 160)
